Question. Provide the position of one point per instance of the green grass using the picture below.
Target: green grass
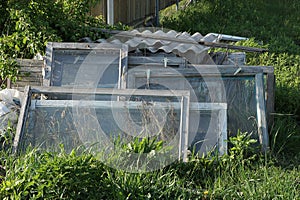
(238, 175)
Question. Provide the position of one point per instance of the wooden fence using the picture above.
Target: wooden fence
(130, 11)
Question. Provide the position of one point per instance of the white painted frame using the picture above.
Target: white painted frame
(255, 71)
(183, 95)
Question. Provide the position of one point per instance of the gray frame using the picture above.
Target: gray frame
(184, 95)
(158, 71)
(51, 72)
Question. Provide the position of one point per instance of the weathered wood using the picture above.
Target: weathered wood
(194, 70)
(92, 91)
(142, 60)
(130, 104)
(33, 69)
(30, 73)
(22, 119)
(64, 61)
(49, 64)
(223, 138)
(21, 84)
(270, 98)
(129, 11)
(234, 47)
(181, 132)
(30, 63)
(225, 58)
(184, 95)
(186, 118)
(82, 46)
(261, 113)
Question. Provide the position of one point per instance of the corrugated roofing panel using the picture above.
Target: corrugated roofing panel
(181, 44)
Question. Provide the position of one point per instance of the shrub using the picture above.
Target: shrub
(26, 26)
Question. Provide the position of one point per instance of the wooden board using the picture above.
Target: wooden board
(30, 73)
(261, 113)
(22, 119)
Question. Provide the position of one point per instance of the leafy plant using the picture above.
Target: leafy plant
(145, 145)
(26, 27)
(8, 69)
(7, 136)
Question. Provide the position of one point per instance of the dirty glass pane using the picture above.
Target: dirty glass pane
(68, 62)
(206, 137)
(47, 127)
(238, 92)
(239, 96)
(102, 123)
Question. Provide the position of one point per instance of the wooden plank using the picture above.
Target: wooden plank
(181, 130)
(83, 46)
(138, 10)
(123, 7)
(186, 118)
(85, 52)
(33, 69)
(207, 106)
(127, 11)
(30, 73)
(143, 60)
(97, 9)
(29, 62)
(123, 66)
(132, 10)
(22, 119)
(128, 19)
(125, 92)
(261, 113)
(128, 104)
(244, 68)
(222, 123)
(104, 9)
(49, 64)
(117, 11)
(199, 70)
(20, 85)
(30, 77)
(270, 98)
(148, 8)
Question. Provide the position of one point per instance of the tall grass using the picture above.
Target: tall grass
(238, 175)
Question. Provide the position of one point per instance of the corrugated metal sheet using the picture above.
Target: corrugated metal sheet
(181, 44)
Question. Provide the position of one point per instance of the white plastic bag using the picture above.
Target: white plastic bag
(3, 109)
(10, 103)
(11, 96)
